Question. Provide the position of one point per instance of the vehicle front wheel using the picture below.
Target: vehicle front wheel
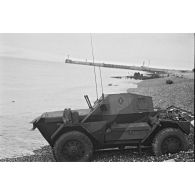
(169, 140)
(73, 146)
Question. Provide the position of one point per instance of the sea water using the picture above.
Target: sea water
(30, 87)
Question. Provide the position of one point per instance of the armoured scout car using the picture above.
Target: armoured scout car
(115, 120)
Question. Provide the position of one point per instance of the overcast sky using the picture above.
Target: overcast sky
(156, 50)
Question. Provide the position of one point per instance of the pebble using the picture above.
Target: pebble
(170, 160)
(128, 155)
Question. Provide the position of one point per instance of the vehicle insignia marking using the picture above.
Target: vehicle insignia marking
(120, 100)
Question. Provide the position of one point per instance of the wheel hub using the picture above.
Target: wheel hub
(73, 150)
(171, 145)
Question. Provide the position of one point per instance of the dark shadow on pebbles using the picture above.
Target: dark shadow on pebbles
(128, 155)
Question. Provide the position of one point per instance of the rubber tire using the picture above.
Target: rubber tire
(165, 133)
(73, 135)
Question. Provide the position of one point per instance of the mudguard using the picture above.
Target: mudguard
(183, 125)
(96, 130)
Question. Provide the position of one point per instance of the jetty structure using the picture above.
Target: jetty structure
(107, 65)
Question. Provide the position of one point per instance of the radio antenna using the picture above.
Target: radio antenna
(100, 72)
(94, 66)
(101, 80)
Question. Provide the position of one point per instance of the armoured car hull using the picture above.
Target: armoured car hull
(115, 120)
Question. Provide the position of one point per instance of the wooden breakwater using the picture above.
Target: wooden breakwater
(140, 68)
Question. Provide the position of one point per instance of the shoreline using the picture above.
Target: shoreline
(180, 94)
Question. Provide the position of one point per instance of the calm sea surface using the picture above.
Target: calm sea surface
(28, 88)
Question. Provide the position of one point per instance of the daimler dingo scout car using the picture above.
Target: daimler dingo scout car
(115, 120)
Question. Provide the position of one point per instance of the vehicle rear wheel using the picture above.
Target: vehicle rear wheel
(73, 146)
(169, 140)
